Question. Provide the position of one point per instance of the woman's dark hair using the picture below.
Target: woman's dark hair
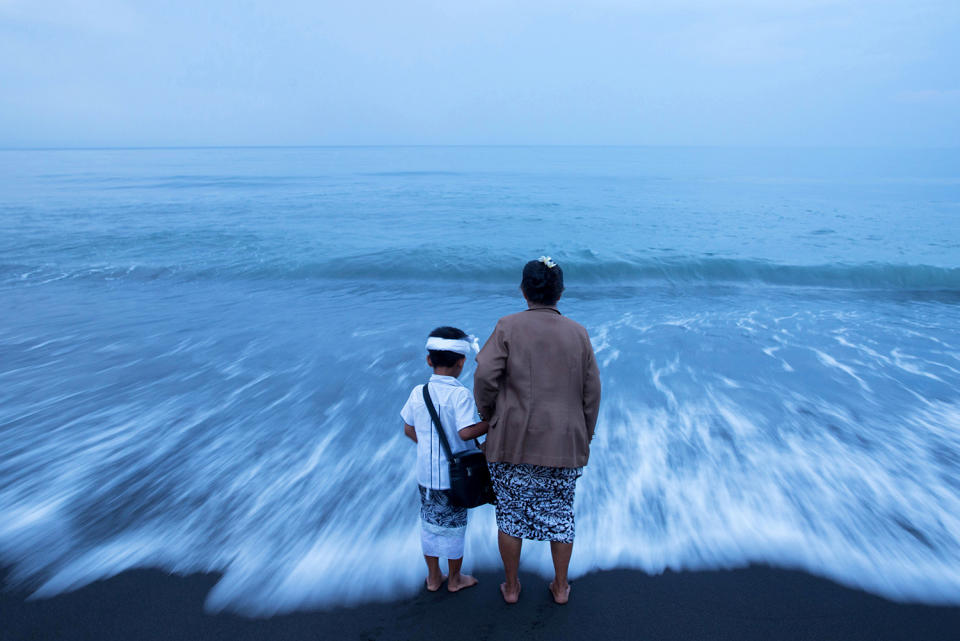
(541, 284)
(444, 358)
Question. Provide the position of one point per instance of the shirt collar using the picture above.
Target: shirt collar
(543, 308)
(449, 380)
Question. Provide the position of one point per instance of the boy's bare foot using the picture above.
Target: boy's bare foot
(434, 584)
(560, 595)
(510, 595)
(461, 582)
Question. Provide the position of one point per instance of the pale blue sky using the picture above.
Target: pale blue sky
(669, 72)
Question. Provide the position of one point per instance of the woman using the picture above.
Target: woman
(537, 384)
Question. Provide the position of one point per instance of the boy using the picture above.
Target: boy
(442, 525)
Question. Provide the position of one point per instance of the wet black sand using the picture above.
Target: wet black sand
(753, 603)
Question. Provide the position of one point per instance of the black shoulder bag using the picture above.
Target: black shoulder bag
(469, 477)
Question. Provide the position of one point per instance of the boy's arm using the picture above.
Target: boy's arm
(407, 414)
(476, 430)
(410, 432)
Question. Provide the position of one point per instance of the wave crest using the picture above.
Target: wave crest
(400, 265)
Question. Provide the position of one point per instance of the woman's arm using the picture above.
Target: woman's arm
(410, 432)
(591, 391)
(491, 363)
(471, 432)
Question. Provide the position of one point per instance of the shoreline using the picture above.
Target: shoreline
(756, 602)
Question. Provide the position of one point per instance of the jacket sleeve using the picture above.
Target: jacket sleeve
(591, 390)
(491, 365)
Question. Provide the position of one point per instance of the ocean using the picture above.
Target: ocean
(203, 355)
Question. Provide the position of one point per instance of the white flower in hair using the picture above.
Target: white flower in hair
(546, 260)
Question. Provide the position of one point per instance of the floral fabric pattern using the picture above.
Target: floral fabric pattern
(534, 501)
(435, 509)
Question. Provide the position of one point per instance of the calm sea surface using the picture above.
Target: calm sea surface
(203, 353)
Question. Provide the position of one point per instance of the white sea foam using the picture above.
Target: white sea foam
(303, 504)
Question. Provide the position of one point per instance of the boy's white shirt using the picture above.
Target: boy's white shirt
(456, 410)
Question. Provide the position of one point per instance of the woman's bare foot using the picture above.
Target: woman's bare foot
(461, 582)
(510, 595)
(433, 584)
(560, 594)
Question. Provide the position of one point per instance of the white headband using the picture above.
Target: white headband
(459, 345)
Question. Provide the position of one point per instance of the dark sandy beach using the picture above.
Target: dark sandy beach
(752, 603)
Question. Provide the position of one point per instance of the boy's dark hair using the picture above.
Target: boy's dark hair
(541, 284)
(444, 358)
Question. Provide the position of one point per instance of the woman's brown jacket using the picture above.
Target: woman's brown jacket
(537, 383)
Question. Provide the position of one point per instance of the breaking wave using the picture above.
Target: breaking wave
(392, 266)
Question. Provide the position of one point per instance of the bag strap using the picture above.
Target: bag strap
(436, 420)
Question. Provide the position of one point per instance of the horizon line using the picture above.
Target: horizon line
(505, 145)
